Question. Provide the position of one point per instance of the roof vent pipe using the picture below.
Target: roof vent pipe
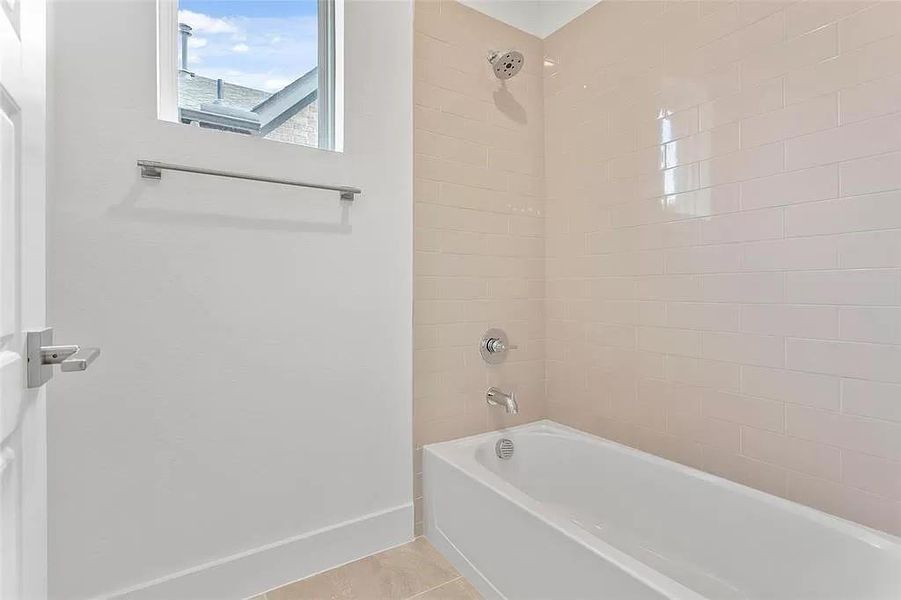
(184, 31)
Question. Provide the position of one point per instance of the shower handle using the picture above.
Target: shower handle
(494, 346)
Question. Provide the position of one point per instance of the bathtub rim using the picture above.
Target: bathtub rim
(459, 454)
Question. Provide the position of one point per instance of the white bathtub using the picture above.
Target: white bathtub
(571, 515)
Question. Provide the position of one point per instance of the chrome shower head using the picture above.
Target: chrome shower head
(506, 64)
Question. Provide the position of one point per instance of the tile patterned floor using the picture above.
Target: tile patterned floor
(414, 570)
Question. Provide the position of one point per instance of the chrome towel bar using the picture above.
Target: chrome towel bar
(154, 170)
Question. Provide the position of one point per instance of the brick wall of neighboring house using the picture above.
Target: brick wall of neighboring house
(302, 128)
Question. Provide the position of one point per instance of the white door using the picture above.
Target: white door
(23, 479)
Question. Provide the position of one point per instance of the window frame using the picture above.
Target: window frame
(329, 93)
(325, 93)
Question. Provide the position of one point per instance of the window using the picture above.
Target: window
(266, 68)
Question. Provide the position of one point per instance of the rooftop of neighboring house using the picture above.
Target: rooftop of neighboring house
(289, 115)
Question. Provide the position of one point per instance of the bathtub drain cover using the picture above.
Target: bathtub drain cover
(504, 448)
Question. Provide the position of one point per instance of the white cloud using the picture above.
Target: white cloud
(200, 22)
(240, 48)
(196, 42)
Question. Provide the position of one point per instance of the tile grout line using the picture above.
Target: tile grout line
(434, 588)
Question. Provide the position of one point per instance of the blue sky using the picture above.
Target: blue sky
(264, 44)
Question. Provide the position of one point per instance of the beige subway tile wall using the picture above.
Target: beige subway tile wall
(724, 241)
(479, 224)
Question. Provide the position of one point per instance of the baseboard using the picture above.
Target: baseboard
(250, 573)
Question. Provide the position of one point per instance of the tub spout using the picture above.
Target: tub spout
(496, 397)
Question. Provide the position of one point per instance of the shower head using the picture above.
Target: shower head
(506, 64)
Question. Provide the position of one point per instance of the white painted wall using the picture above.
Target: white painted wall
(255, 382)
(538, 17)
